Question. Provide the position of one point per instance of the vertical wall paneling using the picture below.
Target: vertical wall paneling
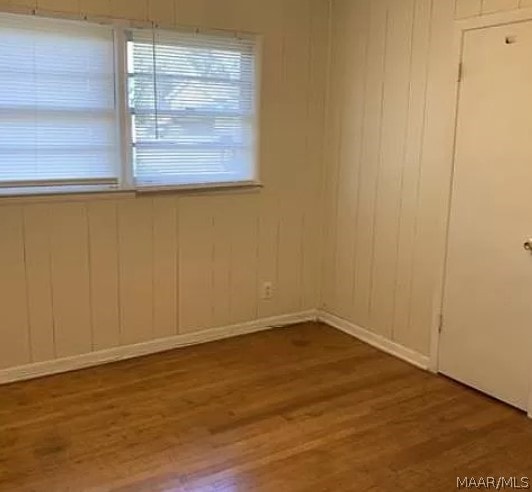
(191, 13)
(224, 14)
(295, 87)
(334, 111)
(388, 215)
(313, 223)
(222, 260)
(14, 332)
(288, 289)
(471, 8)
(235, 250)
(38, 275)
(161, 12)
(106, 272)
(165, 247)
(95, 7)
(70, 279)
(268, 251)
(196, 254)
(136, 9)
(70, 6)
(467, 8)
(489, 6)
(295, 129)
(271, 151)
(104, 279)
(412, 167)
(352, 134)
(244, 254)
(370, 160)
(135, 253)
(395, 114)
(24, 4)
(124, 271)
(434, 181)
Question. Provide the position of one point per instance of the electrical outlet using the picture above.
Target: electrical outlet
(267, 291)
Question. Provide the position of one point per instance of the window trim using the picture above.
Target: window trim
(125, 182)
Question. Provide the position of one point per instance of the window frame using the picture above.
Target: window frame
(125, 166)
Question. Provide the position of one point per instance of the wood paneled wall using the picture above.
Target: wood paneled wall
(473, 8)
(94, 273)
(390, 125)
(389, 148)
(85, 275)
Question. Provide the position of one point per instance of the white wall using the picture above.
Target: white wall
(474, 8)
(389, 156)
(97, 273)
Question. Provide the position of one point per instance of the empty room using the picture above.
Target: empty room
(265, 245)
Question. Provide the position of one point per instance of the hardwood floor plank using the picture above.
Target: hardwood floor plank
(304, 408)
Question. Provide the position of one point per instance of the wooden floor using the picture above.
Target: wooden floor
(305, 408)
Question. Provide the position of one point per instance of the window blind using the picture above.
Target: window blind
(58, 120)
(192, 106)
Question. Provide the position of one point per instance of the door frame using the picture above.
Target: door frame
(461, 28)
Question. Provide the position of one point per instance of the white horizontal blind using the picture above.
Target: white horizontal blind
(192, 104)
(58, 120)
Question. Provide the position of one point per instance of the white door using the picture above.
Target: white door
(486, 337)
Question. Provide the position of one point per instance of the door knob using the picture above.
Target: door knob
(528, 245)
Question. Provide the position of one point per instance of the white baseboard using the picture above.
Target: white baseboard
(40, 369)
(56, 366)
(376, 341)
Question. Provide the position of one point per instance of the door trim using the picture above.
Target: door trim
(461, 28)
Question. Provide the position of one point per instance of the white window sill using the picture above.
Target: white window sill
(77, 193)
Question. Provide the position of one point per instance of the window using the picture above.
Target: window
(87, 107)
(58, 123)
(192, 104)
